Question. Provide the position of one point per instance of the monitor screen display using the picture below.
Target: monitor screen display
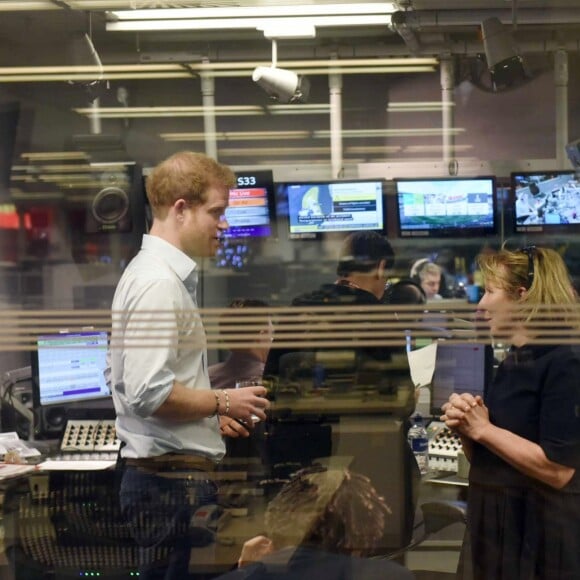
(233, 254)
(460, 368)
(69, 367)
(446, 206)
(545, 200)
(335, 206)
(251, 209)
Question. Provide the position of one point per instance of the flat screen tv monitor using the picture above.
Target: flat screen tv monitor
(69, 368)
(446, 207)
(460, 368)
(544, 201)
(251, 209)
(334, 206)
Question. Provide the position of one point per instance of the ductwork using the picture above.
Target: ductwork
(444, 18)
(407, 24)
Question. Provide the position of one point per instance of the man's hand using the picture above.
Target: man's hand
(233, 428)
(255, 549)
(246, 402)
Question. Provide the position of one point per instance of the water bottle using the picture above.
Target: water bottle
(419, 442)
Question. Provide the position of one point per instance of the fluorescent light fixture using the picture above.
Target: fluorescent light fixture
(413, 107)
(217, 66)
(236, 136)
(198, 111)
(218, 69)
(53, 155)
(434, 148)
(367, 133)
(381, 149)
(27, 5)
(352, 8)
(275, 152)
(285, 21)
(248, 23)
(282, 30)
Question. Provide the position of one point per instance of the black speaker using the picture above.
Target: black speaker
(50, 422)
(113, 201)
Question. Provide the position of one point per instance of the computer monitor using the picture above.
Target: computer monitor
(315, 208)
(69, 367)
(545, 201)
(446, 207)
(460, 368)
(252, 208)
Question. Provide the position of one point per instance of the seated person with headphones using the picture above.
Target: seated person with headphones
(405, 291)
(428, 275)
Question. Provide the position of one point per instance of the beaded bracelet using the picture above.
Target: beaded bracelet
(227, 396)
(217, 405)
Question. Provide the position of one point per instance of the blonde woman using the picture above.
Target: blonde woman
(523, 439)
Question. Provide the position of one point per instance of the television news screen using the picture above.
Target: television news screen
(334, 206)
(69, 367)
(545, 201)
(446, 207)
(251, 209)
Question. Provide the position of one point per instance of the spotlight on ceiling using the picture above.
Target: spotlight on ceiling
(505, 65)
(282, 85)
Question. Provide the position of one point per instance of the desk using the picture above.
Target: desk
(60, 524)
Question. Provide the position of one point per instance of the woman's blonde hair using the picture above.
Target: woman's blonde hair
(541, 272)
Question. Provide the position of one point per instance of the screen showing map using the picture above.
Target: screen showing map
(340, 206)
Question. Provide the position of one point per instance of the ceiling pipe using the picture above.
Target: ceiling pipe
(422, 18)
(383, 50)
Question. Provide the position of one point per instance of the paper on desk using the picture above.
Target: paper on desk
(14, 469)
(75, 465)
(422, 364)
(11, 442)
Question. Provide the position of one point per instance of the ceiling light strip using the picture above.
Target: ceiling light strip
(247, 24)
(24, 5)
(237, 136)
(352, 8)
(369, 133)
(218, 74)
(218, 66)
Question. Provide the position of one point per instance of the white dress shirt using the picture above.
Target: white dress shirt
(158, 338)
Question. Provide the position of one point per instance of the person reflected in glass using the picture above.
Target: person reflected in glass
(523, 437)
(322, 524)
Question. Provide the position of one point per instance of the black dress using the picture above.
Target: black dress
(519, 528)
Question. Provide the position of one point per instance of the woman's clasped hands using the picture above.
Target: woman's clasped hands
(466, 414)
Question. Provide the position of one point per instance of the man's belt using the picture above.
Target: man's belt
(172, 462)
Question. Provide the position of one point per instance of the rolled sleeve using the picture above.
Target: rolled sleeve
(150, 338)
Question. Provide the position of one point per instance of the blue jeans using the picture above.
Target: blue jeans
(158, 512)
